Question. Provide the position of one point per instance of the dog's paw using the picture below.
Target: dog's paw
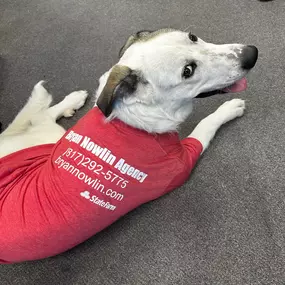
(75, 100)
(231, 110)
(68, 113)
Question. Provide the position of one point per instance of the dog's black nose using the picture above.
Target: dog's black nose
(249, 57)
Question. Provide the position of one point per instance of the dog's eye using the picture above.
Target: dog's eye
(192, 37)
(189, 70)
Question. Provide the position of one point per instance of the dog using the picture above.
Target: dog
(59, 188)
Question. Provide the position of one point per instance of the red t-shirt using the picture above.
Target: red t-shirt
(53, 197)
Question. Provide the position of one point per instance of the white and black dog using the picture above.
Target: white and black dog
(167, 69)
(123, 153)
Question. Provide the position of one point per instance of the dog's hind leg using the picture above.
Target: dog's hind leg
(39, 101)
(68, 105)
(207, 128)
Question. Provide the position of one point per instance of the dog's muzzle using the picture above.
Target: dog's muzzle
(248, 58)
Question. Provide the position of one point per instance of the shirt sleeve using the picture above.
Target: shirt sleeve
(193, 149)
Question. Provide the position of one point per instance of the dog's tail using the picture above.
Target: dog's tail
(39, 101)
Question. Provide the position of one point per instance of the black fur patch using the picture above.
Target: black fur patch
(122, 82)
(127, 86)
(143, 33)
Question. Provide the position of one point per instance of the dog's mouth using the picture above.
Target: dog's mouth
(238, 86)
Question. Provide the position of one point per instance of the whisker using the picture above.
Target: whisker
(185, 30)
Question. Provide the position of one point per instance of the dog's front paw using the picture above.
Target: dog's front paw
(75, 100)
(231, 110)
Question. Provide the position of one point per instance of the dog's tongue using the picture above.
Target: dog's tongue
(239, 86)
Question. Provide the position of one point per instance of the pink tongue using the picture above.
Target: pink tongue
(239, 86)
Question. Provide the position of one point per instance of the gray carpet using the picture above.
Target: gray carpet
(227, 224)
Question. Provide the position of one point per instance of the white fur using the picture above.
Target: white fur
(36, 122)
(158, 106)
(166, 100)
(207, 128)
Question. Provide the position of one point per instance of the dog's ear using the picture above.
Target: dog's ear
(122, 82)
(132, 39)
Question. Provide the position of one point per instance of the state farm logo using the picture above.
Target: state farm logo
(85, 194)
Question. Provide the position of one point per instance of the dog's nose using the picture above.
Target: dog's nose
(249, 57)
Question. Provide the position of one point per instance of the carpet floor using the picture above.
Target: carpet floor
(226, 225)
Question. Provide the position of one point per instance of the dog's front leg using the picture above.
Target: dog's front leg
(68, 105)
(207, 128)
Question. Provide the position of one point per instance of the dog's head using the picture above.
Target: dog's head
(160, 72)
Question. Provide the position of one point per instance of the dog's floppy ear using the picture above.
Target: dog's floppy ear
(122, 81)
(132, 39)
